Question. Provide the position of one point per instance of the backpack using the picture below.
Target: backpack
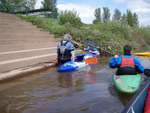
(63, 47)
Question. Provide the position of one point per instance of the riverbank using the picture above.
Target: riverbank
(111, 36)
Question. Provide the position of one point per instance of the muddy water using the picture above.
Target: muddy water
(85, 91)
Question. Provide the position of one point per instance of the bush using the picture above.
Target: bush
(146, 34)
(70, 17)
(111, 36)
(48, 24)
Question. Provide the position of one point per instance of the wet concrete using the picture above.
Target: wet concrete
(86, 91)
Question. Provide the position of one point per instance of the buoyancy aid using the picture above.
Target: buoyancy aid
(63, 47)
(127, 62)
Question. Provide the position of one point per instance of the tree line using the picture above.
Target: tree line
(25, 5)
(101, 14)
(128, 18)
(16, 5)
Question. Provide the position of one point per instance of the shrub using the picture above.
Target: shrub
(70, 17)
(146, 34)
(112, 36)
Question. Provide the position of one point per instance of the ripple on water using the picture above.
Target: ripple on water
(51, 92)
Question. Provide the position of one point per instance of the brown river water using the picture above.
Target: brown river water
(86, 91)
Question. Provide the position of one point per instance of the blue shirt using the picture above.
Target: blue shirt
(116, 62)
(69, 45)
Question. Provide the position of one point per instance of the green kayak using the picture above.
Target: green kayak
(127, 83)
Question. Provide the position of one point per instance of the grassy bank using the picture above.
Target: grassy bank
(111, 36)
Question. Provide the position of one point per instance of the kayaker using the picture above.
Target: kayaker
(126, 64)
(64, 49)
(92, 48)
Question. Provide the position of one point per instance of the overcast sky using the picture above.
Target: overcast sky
(85, 8)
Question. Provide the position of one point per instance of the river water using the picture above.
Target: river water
(86, 91)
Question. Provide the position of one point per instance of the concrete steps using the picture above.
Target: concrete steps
(23, 44)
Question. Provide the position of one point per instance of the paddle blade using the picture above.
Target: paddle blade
(146, 54)
(92, 60)
(147, 72)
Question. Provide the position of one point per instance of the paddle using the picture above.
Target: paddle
(147, 72)
(146, 54)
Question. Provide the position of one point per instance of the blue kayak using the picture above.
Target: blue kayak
(75, 65)
(71, 66)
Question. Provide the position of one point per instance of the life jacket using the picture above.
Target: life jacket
(127, 62)
(63, 47)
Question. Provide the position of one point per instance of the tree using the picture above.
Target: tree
(16, 5)
(135, 20)
(117, 15)
(24, 5)
(5, 6)
(106, 14)
(97, 15)
(30, 4)
(124, 19)
(130, 18)
(54, 13)
(49, 4)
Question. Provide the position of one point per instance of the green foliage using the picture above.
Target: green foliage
(117, 15)
(135, 20)
(30, 4)
(124, 19)
(97, 15)
(130, 18)
(48, 24)
(49, 4)
(6, 6)
(54, 13)
(111, 36)
(145, 31)
(70, 17)
(16, 5)
(106, 14)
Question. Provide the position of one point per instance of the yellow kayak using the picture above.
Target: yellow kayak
(147, 54)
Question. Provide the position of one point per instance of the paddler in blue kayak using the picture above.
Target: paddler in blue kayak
(64, 49)
(126, 64)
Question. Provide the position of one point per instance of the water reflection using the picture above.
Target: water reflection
(65, 80)
(52, 92)
(91, 77)
(77, 80)
(125, 98)
(87, 90)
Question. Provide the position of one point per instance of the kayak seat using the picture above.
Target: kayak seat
(79, 58)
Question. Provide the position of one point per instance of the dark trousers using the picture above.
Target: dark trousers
(63, 58)
(62, 61)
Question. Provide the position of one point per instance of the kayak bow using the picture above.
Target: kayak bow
(127, 83)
